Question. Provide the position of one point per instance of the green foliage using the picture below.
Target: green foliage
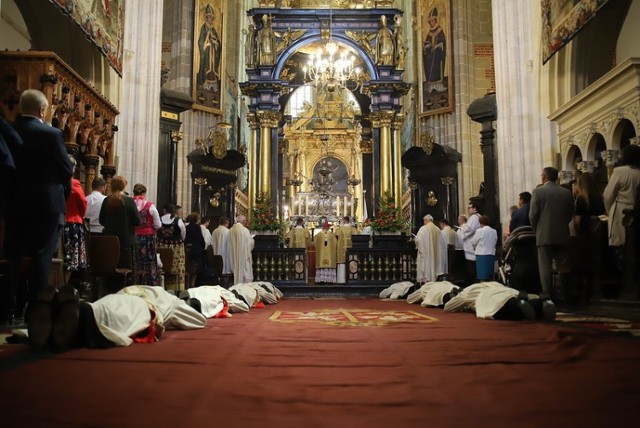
(388, 217)
(263, 217)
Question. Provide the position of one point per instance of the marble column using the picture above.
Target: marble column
(527, 140)
(137, 139)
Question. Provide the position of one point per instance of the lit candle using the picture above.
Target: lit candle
(338, 206)
(345, 206)
(299, 205)
(306, 206)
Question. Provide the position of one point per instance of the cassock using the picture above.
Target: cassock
(432, 253)
(344, 241)
(140, 309)
(220, 244)
(326, 248)
(241, 243)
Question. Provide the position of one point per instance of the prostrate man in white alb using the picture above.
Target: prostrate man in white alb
(432, 252)
(241, 243)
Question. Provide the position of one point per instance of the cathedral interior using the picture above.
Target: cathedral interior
(325, 109)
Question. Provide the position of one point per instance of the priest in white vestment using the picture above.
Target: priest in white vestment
(432, 252)
(220, 244)
(241, 243)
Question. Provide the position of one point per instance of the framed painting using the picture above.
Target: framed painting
(436, 57)
(208, 62)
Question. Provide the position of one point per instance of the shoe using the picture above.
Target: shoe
(528, 313)
(549, 311)
(89, 333)
(65, 324)
(40, 318)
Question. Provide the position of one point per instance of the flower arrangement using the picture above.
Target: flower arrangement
(388, 218)
(263, 217)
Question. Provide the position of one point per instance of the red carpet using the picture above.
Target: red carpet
(249, 371)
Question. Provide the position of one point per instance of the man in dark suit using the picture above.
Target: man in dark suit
(520, 217)
(10, 143)
(44, 171)
(550, 212)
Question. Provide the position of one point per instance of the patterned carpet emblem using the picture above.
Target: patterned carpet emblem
(352, 317)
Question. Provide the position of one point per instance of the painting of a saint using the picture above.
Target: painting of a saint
(437, 79)
(208, 56)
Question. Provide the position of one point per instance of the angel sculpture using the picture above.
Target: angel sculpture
(286, 38)
(363, 39)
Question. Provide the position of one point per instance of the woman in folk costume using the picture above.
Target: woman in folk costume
(146, 239)
(343, 234)
(326, 249)
(171, 235)
(75, 251)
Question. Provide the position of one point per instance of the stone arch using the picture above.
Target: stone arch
(574, 155)
(340, 168)
(340, 39)
(622, 132)
(594, 146)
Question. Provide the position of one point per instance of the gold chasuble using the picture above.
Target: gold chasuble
(344, 241)
(326, 245)
(299, 237)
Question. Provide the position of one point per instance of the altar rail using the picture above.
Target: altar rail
(380, 266)
(280, 266)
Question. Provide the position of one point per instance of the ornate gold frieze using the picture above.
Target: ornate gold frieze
(381, 119)
(269, 119)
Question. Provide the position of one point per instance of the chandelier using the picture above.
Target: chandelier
(330, 69)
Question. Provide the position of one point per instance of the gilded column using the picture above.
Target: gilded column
(397, 154)
(383, 120)
(268, 120)
(253, 162)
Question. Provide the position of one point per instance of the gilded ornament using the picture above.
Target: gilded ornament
(219, 146)
(427, 140)
(432, 200)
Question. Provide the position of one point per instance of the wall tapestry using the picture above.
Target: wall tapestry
(208, 64)
(562, 20)
(102, 21)
(436, 84)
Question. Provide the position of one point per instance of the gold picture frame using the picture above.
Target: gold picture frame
(208, 56)
(436, 57)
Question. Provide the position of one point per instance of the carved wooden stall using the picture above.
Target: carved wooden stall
(86, 117)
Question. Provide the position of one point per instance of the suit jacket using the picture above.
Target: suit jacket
(550, 211)
(519, 218)
(43, 166)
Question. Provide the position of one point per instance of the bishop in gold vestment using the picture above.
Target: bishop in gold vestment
(326, 248)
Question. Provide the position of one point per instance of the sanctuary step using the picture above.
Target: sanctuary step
(331, 290)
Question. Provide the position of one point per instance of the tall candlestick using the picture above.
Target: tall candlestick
(299, 205)
(306, 206)
(338, 206)
(345, 206)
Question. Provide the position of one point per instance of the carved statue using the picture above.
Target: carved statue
(266, 42)
(250, 45)
(363, 39)
(287, 38)
(398, 36)
(385, 44)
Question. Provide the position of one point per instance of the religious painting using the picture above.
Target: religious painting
(562, 20)
(436, 57)
(103, 23)
(208, 63)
